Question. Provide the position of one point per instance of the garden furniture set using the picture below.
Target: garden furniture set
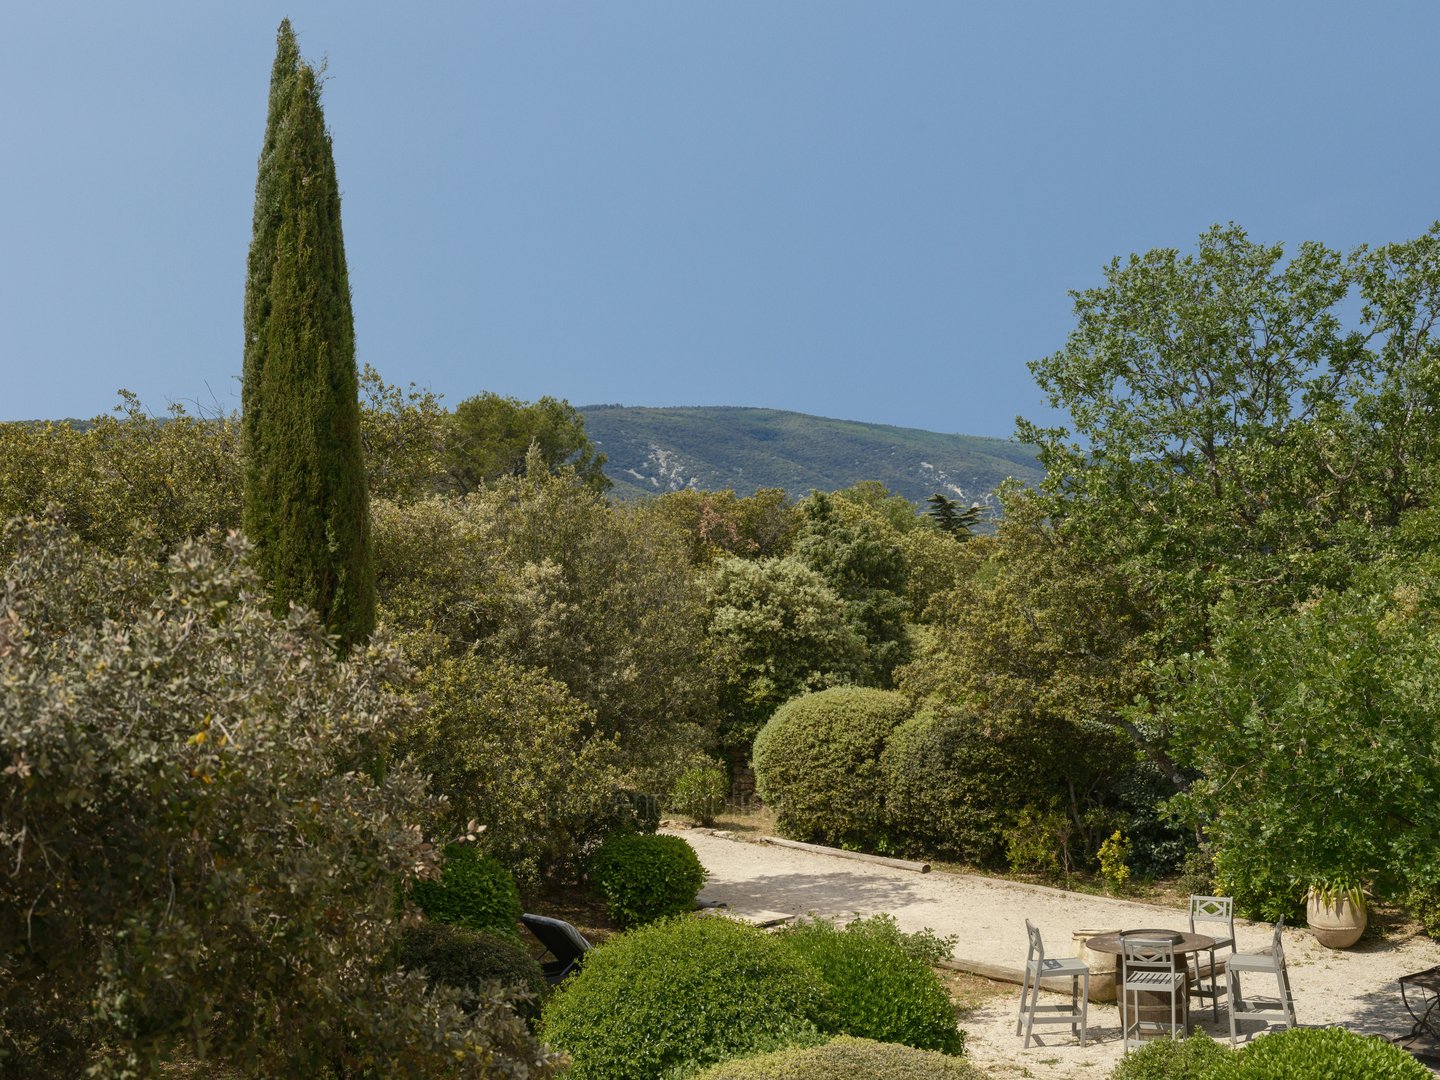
(1157, 973)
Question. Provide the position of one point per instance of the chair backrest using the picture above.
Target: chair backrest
(1277, 948)
(1037, 947)
(1213, 909)
(1145, 953)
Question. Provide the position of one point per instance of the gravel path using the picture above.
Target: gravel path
(1356, 987)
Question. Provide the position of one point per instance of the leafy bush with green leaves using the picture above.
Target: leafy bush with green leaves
(881, 991)
(845, 1056)
(1191, 1058)
(700, 792)
(472, 961)
(681, 994)
(1307, 1053)
(474, 891)
(202, 855)
(510, 746)
(1423, 901)
(817, 761)
(952, 786)
(645, 877)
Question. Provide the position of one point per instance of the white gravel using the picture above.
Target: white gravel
(1355, 987)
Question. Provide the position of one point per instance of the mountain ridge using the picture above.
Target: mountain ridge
(667, 448)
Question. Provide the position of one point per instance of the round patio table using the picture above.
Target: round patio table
(1153, 1006)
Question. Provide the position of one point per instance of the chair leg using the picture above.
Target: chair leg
(1030, 1012)
(1232, 984)
(1214, 986)
(1286, 1002)
(1024, 992)
(1084, 1005)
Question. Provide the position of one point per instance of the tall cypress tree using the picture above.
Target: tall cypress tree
(306, 506)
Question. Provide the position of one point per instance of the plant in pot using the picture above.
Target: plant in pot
(1336, 910)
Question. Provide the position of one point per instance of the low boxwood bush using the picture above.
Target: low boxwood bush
(700, 792)
(817, 761)
(472, 961)
(1317, 1053)
(644, 877)
(681, 994)
(844, 1056)
(880, 990)
(1173, 1059)
(474, 891)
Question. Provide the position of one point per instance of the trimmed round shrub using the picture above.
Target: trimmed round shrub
(683, 992)
(474, 891)
(863, 1059)
(473, 961)
(644, 877)
(953, 789)
(1192, 1058)
(817, 761)
(700, 793)
(880, 990)
(1307, 1053)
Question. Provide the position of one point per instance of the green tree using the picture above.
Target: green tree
(403, 434)
(202, 856)
(1317, 733)
(1230, 433)
(720, 523)
(948, 516)
(863, 563)
(489, 436)
(775, 629)
(306, 507)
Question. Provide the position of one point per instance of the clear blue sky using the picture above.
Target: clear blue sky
(863, 210)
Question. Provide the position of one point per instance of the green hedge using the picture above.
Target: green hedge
(858, 1059)
(951, 789)
(681, 993)
(1192, 1058)
(472, 960)
(818, 762)
(1318, 1053)
(700, 792)
(474, 891)
(644, 877)
(881, 991)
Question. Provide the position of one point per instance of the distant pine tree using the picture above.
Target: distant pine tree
(949, 518)
(306, 507)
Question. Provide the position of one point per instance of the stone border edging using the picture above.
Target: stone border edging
(819, 849)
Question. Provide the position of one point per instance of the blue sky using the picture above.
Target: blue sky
(863, 210)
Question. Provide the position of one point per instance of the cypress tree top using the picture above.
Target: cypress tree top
(306, 507)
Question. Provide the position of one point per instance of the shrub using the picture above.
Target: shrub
(193, 820)
(953, 788)
(1115, 860)
(818, 761)
(1305, 1053)
(512, 747)
(1172, 1059)
(880, 990)
(685, 991)
(700, 793)
(645, 877)
(845, 1056)
(472, 960)
(1422, 900)
(474, 891)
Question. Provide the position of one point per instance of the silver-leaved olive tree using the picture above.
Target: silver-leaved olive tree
(202, 845)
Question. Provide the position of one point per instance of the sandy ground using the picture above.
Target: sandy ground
(1355, 987)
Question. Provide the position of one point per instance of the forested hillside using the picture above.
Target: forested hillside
(717, 447)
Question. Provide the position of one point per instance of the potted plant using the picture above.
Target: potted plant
(1336, 912)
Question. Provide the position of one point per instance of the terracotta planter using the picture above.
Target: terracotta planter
(1336, 926)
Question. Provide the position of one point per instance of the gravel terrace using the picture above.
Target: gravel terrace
(1356, 987)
